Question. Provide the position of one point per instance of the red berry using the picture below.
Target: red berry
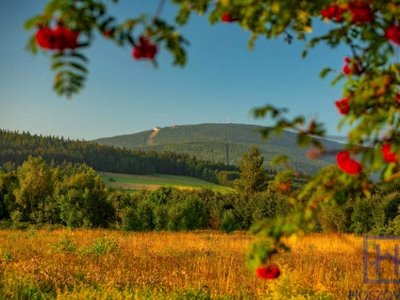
(388, 155)
(348, 165)
(346, 70)
(343, 106)
(333, 12)
(227, 18)
(145, 49)
(268, 272)
(60, 38)
(361, 12)
(392, 33)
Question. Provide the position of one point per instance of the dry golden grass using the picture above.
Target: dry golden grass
(178, 265)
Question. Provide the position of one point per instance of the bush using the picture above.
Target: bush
(337, 218)
(392, 202)
(161, 195)
(189, 215)
(160, 217)
(362, 217)
(140, 218)
(175, 216)
(193, 214)
(228, 223)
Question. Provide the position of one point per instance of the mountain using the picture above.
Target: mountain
(209, 141)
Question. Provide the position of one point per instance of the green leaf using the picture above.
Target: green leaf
(337, 79)
(80, 56)
(280, 159)
(57, 65)
(78, 66)
(324, 72)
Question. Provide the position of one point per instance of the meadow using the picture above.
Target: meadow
(131, 182)
(102, 264)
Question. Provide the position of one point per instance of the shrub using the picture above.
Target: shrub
(193, 214)
(362, 216)
(101, 246)
(140, 218)
(160, 217)
(392, 202)
(228, 223)
(175, 216)
(161, 195)
(66, 244)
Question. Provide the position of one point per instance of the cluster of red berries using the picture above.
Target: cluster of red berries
(145, 49)
(343, 106)
(270, 272)
(392, 33)
(348, 165)
(360, 12)
(228, 18)
(388, 155)
(59, 38)
(333, 12)
(349, 69)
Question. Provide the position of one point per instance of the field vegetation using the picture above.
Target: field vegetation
(66, 235)
(101, 264)
(154, 181)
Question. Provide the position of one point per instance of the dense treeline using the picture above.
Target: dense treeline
(15, 148)
(73, 195)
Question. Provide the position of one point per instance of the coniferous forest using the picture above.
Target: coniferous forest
(15, 148)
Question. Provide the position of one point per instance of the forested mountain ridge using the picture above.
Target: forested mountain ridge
(16, 147)
(208, 141)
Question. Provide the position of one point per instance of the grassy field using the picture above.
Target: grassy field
(85, 264)
(152, 182)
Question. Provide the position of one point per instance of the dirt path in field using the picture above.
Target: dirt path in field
(132, 186)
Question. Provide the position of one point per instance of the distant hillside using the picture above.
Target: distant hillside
(15, 148)
(208, 141)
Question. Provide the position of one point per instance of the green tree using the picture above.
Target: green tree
(252, 174)
(35, 184)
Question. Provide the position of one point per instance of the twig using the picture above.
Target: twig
(159, 9)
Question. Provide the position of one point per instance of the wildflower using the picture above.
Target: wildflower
(361, 12)
(268, 272)
(388, 155)
(348, 165)
(343, 106)
(392, 33)
(145, 49)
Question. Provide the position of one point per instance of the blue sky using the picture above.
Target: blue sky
(222, 78)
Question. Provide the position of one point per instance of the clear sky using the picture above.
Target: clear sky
(222, 78)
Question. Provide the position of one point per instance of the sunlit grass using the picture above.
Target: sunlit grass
(151, 182)
(69, 265)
